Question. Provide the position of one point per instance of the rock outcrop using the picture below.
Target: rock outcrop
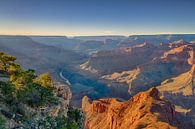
(120, 59)
(183, 84)
(168, 60)
(144, 110)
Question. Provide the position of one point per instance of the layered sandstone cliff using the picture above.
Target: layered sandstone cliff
(182, 84)
(144, 110)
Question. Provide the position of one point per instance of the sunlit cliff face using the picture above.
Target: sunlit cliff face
(144, 110)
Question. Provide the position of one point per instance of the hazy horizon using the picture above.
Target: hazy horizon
(98, 17)
(97, 35)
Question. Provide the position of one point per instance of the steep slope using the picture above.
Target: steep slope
(121, 59)
(128, 58)
(92, 46)
(144, 110)
(184, 54)
(26, 46)
(123, 77)
(34, 55)
(174, 59)
(29, 101)
(180, 91)
(183, 84)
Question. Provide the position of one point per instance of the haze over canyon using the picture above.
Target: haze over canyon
(97, 64)
(117, 67)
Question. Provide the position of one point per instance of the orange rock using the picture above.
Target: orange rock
(144, 110)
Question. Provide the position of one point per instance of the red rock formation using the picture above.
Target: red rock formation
(180, 54)
(144, 110)
(120, 59)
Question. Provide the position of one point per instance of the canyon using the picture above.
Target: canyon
(112, 71)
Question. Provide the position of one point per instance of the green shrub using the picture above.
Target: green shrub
(50, 122)
(2, 123)
(26, 88)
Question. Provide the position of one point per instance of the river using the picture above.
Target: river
(81, 85)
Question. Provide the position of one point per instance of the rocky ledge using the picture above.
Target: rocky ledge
(144, 110)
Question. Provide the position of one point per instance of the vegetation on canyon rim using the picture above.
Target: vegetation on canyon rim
(22, 91)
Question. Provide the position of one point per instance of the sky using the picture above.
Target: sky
(96, 17)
